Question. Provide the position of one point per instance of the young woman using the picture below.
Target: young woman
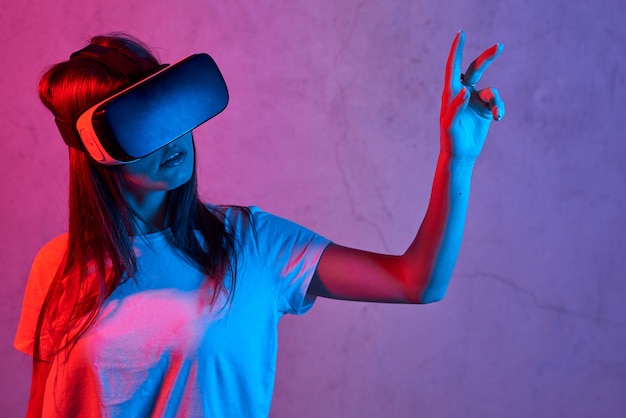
(157, 304)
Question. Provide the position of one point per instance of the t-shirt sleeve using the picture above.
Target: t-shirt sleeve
(42, 271)
(290, 253)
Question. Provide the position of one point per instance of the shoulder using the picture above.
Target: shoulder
(235, 214)
(44, 268)
(242, 220)
(46, 264)
(51, 253)
(237, 219)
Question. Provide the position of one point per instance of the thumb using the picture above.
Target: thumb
(460, 101)
(457, 105)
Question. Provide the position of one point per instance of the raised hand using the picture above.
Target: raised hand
(466, 112)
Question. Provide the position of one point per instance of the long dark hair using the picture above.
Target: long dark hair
(99, 254)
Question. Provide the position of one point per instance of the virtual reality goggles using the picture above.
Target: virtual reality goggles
(149, 114)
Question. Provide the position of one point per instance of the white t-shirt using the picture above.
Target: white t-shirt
(159, 348)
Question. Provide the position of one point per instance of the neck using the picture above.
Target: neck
(149, 210)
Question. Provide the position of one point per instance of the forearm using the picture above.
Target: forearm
(430, 259)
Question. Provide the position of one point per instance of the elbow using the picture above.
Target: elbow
(426, 280)
(423, 287)
(432, 295)
(426, 297)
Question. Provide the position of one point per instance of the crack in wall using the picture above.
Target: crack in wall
(338, 110)
(511, 284)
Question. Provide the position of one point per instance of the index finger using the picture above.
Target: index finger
(453, 66)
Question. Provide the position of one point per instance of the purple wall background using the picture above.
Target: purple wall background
(333, 123)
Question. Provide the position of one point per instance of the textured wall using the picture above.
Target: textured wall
(333, 123)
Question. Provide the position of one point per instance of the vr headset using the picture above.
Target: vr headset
(149, 114)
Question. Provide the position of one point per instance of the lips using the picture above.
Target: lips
(173, 158)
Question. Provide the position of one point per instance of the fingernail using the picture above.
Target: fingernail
(496, 113)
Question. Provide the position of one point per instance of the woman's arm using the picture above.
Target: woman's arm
(422, 273)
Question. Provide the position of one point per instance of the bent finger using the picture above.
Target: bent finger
(490, 97)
